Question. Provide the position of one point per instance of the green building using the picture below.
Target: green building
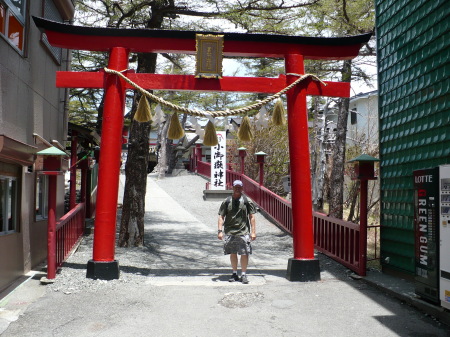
(413, 40)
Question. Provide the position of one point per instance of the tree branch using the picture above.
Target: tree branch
(172, 60)
(344, 11)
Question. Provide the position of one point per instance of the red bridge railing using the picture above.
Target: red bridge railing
(333, 237)
(69, 230)
(339, 240)
(204, 168)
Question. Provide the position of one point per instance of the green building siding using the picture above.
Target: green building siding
(413, 40)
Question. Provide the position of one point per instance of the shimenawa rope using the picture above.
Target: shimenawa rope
(228, 112)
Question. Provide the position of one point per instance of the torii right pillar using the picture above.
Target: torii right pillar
(303, 266)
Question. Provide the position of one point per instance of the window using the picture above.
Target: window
(12, 21)
(41, 197)
(52, 13)
(353, 116)
(2, 19)
(8, 205)
(17, 5)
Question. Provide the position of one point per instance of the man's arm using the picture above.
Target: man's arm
(253, 226)
(220, 227)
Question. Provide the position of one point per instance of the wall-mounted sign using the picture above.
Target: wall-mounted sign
(209, 56)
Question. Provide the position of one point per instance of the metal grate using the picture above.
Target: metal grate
(52, 13)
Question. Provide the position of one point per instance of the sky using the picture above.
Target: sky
(230, 66)
(233, 68)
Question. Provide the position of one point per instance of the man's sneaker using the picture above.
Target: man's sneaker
(234, 278)
(244, 279)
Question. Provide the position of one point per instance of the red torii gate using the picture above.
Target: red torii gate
(120, 42)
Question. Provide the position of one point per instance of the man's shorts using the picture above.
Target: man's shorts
(237, 244)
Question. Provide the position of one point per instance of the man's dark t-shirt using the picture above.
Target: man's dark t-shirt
(236, 215)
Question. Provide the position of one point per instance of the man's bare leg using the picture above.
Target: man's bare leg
(244, 263)
(234, 261)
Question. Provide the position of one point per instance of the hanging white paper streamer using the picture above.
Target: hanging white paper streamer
(225, 124)
(261, 119)
(198, 129)
(159, 115)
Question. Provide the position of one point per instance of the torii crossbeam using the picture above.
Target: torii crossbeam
(120, 42)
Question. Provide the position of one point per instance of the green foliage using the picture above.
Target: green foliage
(293, 17)
(85, 104)
(273, 141)
(266, 16)
(343, 17)
(82, 112)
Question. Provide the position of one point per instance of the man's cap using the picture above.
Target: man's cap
(237, 183)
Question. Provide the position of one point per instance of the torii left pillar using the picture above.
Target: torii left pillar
(103, 265)
(303, 266)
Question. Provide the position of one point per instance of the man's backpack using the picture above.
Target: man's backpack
(246, 203)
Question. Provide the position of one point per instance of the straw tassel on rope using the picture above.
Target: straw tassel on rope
(175, 130)
(210, 138)
(245, 133)
(143, 113)
(278, 113)
(233, 112)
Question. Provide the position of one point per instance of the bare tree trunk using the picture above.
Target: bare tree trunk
(318, 191)
(337, 171)
(353, 197)
(174, 156)
(172, 153)
(100, 115)
(132, 223)
(162, 158)
(315, 142)
(133, 211)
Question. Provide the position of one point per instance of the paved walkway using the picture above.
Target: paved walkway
(177, 286)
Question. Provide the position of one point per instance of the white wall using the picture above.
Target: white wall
(365, 131)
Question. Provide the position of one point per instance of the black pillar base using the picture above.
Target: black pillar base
(303, 270)
(103, 270)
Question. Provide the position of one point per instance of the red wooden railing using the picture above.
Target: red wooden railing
(339, 240)
(333, 237)
(69, 230)
(204, 168)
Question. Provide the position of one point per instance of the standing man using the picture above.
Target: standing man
(237, 220)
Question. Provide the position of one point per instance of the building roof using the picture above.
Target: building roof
(363, 158)
(363, 95)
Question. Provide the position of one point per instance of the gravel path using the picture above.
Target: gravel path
(272, 248)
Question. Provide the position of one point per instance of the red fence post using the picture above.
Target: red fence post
(196, 159)
(304, 266)
(73, 170)
(260, 159)
(103, 266)
(242, 154)
(51, 228)
(84, 172)
(363, 227)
